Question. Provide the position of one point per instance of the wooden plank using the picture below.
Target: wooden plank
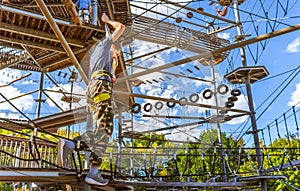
(179, 184)
(262, 177)
(38, 34)
(32, 44)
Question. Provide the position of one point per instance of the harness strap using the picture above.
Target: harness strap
(101, 97)
(99, 73)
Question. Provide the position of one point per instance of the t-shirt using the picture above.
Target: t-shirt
(99, 56)
(83, 4)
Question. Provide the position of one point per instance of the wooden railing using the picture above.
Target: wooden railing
(9, 57)
(26, 153)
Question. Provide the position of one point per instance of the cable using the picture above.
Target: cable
(289, 185)
(281, 91)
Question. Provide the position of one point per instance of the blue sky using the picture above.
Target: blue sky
(281, 55)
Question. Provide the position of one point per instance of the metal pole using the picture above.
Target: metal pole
(218, 124)
(89, 128)
(250, 100)
(71, 99)
(120, 142)
(39, 100)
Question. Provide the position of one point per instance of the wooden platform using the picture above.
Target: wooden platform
(51, 177)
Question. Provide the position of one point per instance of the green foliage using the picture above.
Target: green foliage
(203, 162)
(282, 156)
(5, 186)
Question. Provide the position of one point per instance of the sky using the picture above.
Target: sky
(273, 96)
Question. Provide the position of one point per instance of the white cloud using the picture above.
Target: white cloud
(24, 103)
(224, 35)
(185, 134)
(294, 46)
(26, 82)
(295, 98)
(55, 96)
(10, 115)
(7, 75)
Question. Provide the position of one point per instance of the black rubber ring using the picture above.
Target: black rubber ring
(171, 104)
(158, 105)
(236, 92)
(182, 99)
(222, 112)
(229, 104)
(148, 105)
(136, 108)
(220, 87)
(194, 98)
(232, 98)
(209, 92)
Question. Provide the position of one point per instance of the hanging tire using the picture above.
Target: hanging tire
(148, 107)
(222, 112)
(232, 98)
(158, 105)
(222, 89)
(136, 108)
(171, 104)
(182, 100)
(236, 92)
(194, 98)
(229, 104)
(207, 94)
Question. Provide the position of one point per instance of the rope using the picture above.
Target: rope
(295, 117)
(214, 161)
(270, 135)
(203, 164)
(282, 161)
(263, 137)
(186, 160)
(277, 129)
(239, 161)
(286, 129)
(270, 162)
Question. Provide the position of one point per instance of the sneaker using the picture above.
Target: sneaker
(96, 180)
(63, 152)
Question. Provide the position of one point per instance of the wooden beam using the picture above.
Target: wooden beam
(31, 44)
(28, 93)
(11, 45)
(62, 39)
(23, 12)
(62, 119)
(177, 75)
(61, 59)
(38, 34)
(179, 184)
(34, 5)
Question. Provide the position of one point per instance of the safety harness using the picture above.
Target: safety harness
(102, 96)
